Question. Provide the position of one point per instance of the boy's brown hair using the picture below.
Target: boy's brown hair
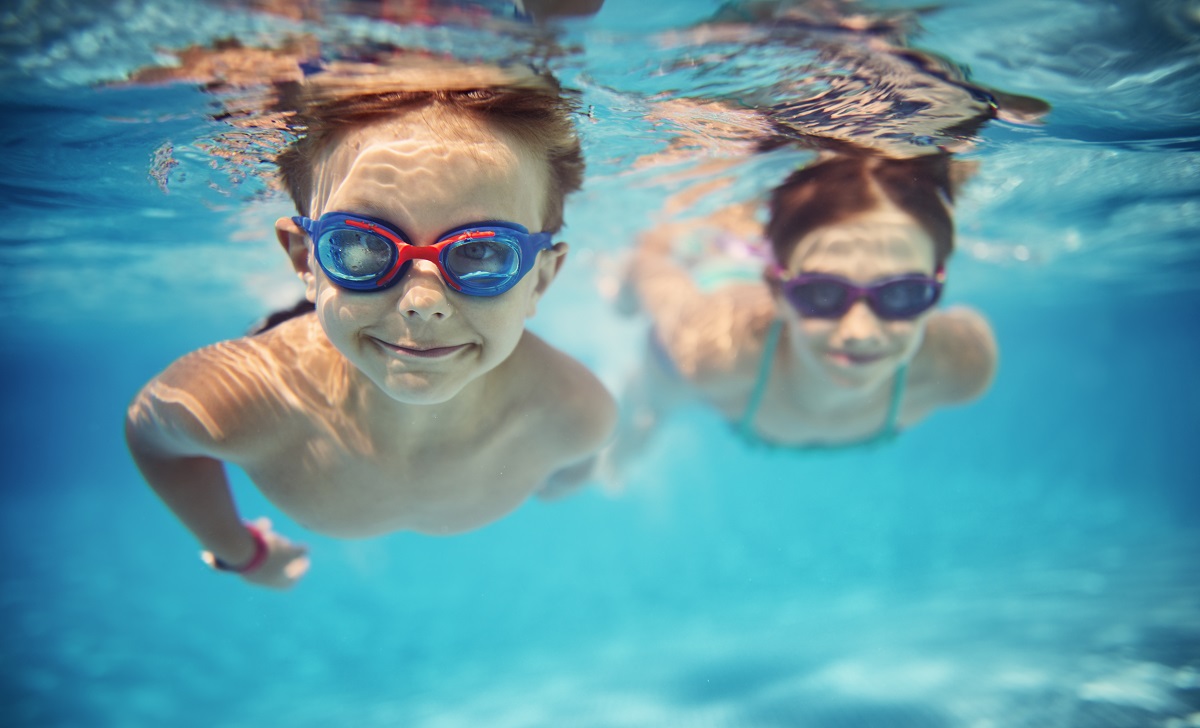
(524, 106)
(831, 191)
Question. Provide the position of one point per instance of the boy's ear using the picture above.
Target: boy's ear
(295, 244)
(548, 264)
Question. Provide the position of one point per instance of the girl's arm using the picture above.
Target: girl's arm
(705, 334)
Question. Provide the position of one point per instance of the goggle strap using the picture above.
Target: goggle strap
(470, 235)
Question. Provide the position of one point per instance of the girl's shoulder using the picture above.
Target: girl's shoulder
(958, 358)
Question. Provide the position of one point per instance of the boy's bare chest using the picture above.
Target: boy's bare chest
(357, 489)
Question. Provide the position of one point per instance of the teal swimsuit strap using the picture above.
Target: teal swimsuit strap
(891, 424)
(746, 426)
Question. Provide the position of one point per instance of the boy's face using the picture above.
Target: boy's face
(419, 340)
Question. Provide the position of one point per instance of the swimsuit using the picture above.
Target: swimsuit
(745, 427)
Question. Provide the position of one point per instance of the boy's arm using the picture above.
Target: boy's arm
(197, 492)
(175, 439)
(567, 481)
(581, 419)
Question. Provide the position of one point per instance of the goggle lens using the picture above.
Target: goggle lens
(355, 256)
(820, 298)
(482, 263)
(904, 299)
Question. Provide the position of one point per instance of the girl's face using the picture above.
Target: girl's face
(859, 349)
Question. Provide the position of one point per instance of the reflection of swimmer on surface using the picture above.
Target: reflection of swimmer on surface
(822, 74)
(433, 12)
(230, 63)
(413, 398)
(837, 342)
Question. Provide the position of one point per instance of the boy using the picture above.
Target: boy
(412, 398)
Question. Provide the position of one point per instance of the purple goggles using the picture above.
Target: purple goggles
(826, 296)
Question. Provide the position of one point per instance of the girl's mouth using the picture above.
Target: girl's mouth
(851, 358)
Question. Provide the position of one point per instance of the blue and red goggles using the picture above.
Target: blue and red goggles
(361, 253)
(825, 296)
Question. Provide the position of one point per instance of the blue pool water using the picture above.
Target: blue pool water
(1028, 560)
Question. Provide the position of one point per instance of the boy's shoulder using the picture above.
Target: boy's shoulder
(291, 347)
(229, 394)
(576, 412)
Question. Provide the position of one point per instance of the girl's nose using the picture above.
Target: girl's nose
(423, 294)
(859, 324)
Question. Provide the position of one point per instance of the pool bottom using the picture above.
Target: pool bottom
(1071, 641)
(1062, 647)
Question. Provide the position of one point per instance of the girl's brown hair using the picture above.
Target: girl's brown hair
(834, 190)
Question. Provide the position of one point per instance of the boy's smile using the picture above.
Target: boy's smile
(421, 351)
(419, 340)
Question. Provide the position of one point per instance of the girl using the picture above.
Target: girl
(838, 342)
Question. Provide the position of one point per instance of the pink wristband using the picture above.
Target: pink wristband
(260, 554)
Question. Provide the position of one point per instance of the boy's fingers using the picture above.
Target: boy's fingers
(296, 567)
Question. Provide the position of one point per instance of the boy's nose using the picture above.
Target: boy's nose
(424, 292)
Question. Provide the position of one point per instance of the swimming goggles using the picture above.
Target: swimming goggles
(361, 253)
(825, 296)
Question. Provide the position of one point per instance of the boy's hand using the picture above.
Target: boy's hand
(567, 481)
(286, 561)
